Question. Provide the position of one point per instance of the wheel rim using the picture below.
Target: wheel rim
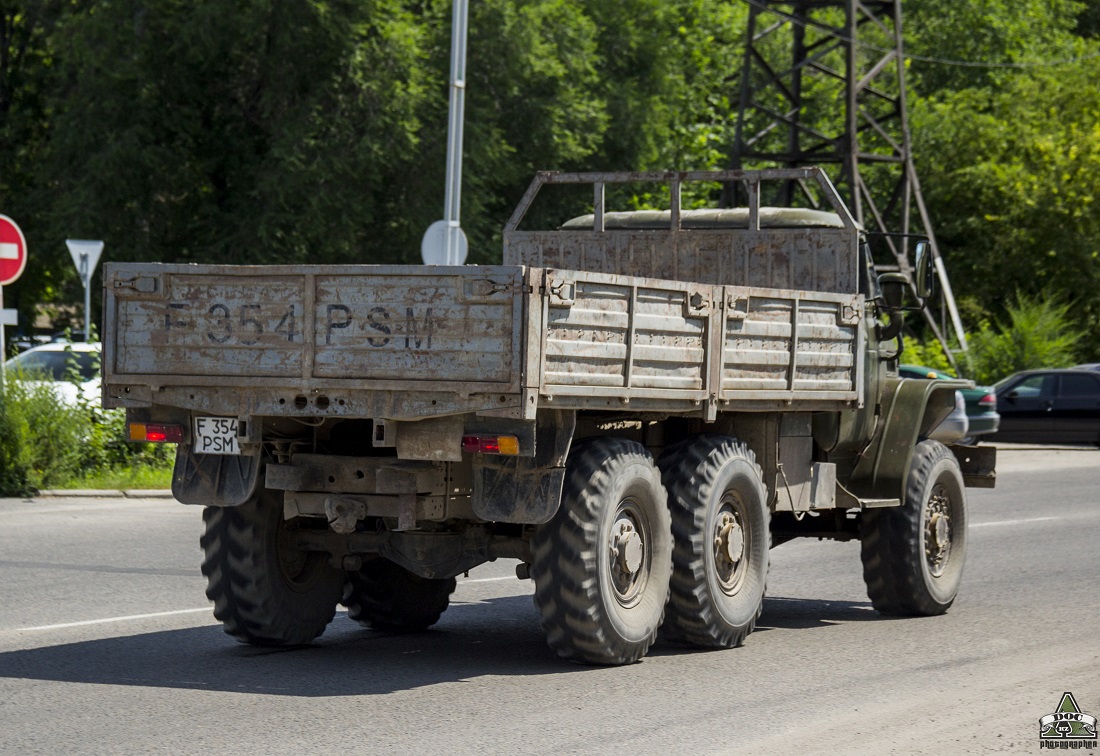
(730, 544)
(629, 552)
(938, 531)
(295, 565)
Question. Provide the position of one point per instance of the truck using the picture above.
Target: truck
(636, 406)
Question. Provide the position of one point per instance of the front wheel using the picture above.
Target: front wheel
(266, 591)
(913, 555)
(602, 565)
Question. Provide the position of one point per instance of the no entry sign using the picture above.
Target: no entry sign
(13, 251)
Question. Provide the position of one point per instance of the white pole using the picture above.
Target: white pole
(457, 108)
(86, 276)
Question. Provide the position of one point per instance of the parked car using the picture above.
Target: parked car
(981, 402)
(1050, 407)
(953, 428)
(53, 362)
(1089, 366)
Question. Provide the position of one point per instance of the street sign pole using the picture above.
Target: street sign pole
(85, 256)
(444, 242)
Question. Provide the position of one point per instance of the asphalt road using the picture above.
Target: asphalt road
(107, 645)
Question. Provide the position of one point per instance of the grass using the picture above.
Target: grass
(123, 478)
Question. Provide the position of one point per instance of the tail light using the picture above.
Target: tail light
(491, 445)
(156, 433)
(989, 401)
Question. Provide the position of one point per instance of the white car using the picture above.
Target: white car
(53, 362)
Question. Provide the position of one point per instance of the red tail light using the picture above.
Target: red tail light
(491, 445)
(989, 401)
(156, 433)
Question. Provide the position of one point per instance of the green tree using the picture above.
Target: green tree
(994, 40)
(1015, 208)
(1038, 333)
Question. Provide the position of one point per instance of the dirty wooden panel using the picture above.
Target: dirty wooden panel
(416, 328)
(605, 331)
(818, 259)
(789, 342)
(210, 325)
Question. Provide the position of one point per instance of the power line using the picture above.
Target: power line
(833, 32)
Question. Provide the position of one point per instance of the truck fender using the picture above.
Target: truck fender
(911, 408)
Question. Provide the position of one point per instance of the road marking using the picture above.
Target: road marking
(1012, 522)
(107, 620)
(132, 617)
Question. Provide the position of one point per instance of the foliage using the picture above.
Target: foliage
(1039, 333)
(45, 443)
(1017, 206)
(926, 352)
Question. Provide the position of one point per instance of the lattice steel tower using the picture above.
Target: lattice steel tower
(812, 64)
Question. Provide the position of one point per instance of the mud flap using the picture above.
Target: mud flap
(526, 490)
(215, 480)
(978, 465)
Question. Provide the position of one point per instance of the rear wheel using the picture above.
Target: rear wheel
(386, 596)
(913, 555)
(720, 516)
(266, 591)
(602, 565)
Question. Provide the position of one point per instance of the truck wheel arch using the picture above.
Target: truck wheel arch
(883, 470)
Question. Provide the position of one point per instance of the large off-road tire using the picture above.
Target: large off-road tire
(602, 565)
(385, 596)
(720, 516)
(265, 590)
(913, 555)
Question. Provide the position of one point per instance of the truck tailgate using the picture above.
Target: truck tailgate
(314, 327)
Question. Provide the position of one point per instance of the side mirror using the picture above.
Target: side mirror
(893, 287)
(925, 270)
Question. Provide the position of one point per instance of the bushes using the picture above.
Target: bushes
(45, 443)
(1038, 334)
(1035, 333)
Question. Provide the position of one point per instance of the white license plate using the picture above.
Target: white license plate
(216, 435)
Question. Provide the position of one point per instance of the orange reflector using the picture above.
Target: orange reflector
(491, 445)
(156, 433)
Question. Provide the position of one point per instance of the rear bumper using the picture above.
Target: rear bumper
(981, 425)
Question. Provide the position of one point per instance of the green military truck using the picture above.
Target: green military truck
(637, 406)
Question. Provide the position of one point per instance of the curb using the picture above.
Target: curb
(85, 493)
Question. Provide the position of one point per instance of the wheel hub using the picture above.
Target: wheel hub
(937, 533)
(628, 556)
(729, 544)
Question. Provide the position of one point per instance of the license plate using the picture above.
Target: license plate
(216, 435)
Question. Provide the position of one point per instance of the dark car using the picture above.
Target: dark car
(1050, 407)
(981, 401)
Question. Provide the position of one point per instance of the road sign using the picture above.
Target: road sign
(85, 256)
(434, 246)
(13, 251)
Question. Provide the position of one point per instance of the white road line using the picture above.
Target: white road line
(1012, 522)
(107, 620)
(131, 617)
